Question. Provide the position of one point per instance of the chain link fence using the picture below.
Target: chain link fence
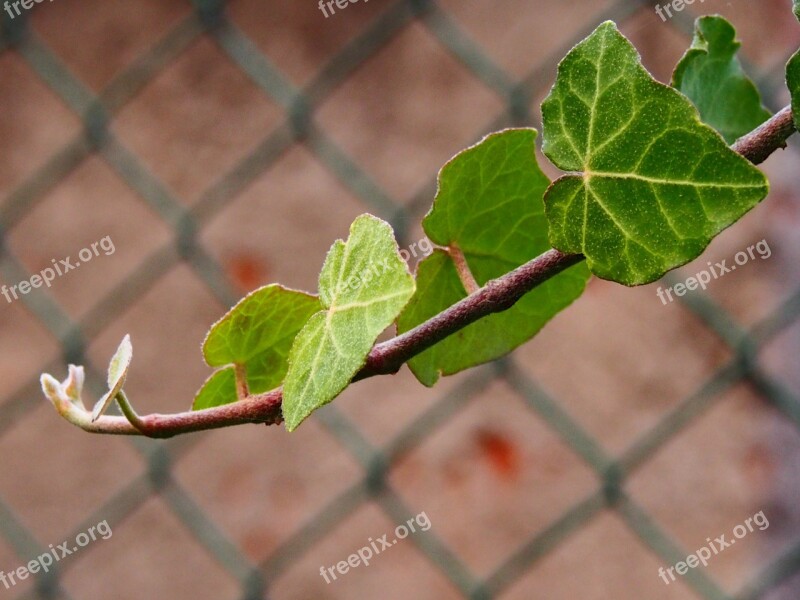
(299, 105)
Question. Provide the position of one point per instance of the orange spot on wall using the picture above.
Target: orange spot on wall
(501, 453)
(246, 271)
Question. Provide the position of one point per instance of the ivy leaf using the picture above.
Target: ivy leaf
(218, 389)
(257, 335)
(117, 373)
(793, 76)
(489, 208)
(649, 184)
(712, 77)
(363, 286)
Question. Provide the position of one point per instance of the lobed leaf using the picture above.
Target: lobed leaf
(488, 207)
(649, 184)
(713, 79)
(363, 286)
(256, 334)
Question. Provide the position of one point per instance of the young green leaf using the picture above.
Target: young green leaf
(218, 389)
(793, 75)
(363, 286)
(117, 373)
(257, 335)
(712, 77)
(649, 184)
(489, 208)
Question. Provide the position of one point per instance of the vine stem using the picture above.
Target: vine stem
(387, 357)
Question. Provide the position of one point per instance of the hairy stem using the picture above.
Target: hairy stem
(387, 357)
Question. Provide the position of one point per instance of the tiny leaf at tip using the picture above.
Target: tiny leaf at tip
(117, 373)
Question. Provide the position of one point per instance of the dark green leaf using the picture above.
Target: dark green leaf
(649, 184)
(712, 77)
(488, 207)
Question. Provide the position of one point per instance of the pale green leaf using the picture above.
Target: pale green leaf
(649, 184)
(363, 286)
(117, 373)
(256, 334)
(489, 207)
(713, 79)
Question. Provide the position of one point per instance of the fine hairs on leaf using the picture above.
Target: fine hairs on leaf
(649, 180)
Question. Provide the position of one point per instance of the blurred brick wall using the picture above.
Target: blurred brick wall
(491, 474)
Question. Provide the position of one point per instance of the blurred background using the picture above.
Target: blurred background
(225, 145)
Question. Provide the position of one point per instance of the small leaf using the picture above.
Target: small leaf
(489, 206)
(117, 372)
(52, 389)
(793, 81)
(219, 389)
(73, 386)
(257, 333)
(62, 395)
(712, 77)
(364, 284)
(793, 76)
(649, 184)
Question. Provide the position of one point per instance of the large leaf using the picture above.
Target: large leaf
(489, 207)
(649, 184)
(257, 335)
(793, 76)
(363, 286)
(712, 77)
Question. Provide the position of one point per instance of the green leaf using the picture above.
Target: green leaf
(793, 76)
(363, 286)
(489, 207)
(712, 77)
(649, 184)
(256, 334)
(793, 82)
(117, 373)
(219, 389)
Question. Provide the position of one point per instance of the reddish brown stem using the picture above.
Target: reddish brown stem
(387, 357)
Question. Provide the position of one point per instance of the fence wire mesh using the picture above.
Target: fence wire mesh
(97, 138)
